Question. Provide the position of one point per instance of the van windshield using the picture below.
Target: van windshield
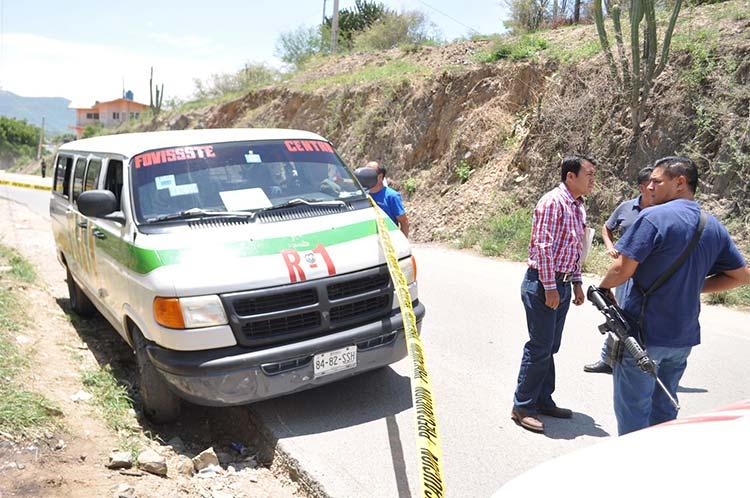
(237, 176)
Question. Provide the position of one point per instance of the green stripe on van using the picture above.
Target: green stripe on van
(143, 261)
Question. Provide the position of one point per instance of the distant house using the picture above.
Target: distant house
(109, 114)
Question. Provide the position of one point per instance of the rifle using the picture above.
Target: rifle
(619, 326)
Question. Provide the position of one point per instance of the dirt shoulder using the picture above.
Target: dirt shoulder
(71, 460)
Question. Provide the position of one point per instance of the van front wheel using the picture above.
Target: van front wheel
(160, 404)
(79, 301)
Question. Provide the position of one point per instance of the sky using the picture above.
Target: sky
(83, 50)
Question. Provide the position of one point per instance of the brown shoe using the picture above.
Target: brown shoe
(527, 420)
(557, 412)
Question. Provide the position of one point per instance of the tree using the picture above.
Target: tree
(356, 20)
(18, 140)
(635, 78)
(297, 46)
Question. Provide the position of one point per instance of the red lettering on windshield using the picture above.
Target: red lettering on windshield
(307, 146)
(172, 155)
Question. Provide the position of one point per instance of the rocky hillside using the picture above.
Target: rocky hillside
(462, 137)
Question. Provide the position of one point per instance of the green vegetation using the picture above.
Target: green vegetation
(93, 130)
(506, 234)
(735, 297)
(111, 398)
(573, 53)
(392, 72)
(20, 268)
(247, 79)
(409, 30)
(411, 186)
(516, 48)
(23, 413)
(18, 141)
(463, 170)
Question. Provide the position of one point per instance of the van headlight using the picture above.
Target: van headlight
(409, 269)
(189, 312)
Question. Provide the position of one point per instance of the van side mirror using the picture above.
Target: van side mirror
(97, 203)
(368, 177)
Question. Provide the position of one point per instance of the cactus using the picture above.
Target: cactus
(155, 105)
(636, 78)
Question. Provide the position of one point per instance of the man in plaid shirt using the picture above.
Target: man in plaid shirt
(557, 239)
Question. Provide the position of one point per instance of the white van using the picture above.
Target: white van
(240, 264)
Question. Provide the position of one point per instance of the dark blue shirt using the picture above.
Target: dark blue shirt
(656, 239)
(624, 215)
(389, 201)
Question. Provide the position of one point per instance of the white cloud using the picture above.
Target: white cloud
(37, 66)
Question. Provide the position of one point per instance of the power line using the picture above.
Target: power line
(448, 16)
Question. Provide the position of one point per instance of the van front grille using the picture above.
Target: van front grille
(313, 308)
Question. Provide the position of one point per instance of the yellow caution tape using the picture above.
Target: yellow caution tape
(24, 185)
(430, 455)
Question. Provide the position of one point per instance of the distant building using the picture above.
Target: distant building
(109, 114)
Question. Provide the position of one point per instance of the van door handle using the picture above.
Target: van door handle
(99, 234)
(83, 224)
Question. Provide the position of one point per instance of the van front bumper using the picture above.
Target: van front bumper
(236, 376)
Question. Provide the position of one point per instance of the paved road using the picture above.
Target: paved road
(355, 438)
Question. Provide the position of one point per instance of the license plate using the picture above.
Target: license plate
(335, 361)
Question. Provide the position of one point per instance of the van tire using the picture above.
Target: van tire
(160, 405)
(79, 301)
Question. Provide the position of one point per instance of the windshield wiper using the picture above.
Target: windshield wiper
(200, 213)
(298, 201)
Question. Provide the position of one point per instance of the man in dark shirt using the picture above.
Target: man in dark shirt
(670, 320)
(619, 221)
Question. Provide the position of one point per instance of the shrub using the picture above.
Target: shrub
(248, 78)
(523, 47)
(411, 186)
(297, 46)
(393, 30)
(463, 170)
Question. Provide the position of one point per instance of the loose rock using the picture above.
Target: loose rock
(152, 462)
(185, 466)
(124, 491)
(120, 460)
(204, 459)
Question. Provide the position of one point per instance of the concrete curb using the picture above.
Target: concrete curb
(282, 461)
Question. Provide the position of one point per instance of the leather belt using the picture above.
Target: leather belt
(564, 277)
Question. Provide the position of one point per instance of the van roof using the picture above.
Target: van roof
(130, 144)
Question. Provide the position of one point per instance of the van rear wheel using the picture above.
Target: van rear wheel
(160, 405)
(79, 301)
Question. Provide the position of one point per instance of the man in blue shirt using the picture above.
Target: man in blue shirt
(670, 321)
(389, 200)
(619, 221)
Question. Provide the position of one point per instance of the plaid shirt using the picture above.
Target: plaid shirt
(557, 235)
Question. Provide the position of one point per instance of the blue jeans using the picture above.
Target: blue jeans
(639, 402)
(536, 378)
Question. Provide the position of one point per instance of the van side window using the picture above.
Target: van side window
(92, 174)
(78, 178)
(63, 171)
(113, 181)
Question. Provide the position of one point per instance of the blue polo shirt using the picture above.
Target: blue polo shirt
(389, 201)
(656, 239)
(624, 215)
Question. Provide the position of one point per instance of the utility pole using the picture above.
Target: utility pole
(41, 139)
(335, 27)
(324, 13)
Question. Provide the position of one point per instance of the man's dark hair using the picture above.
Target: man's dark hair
(644, 175)
(572, 164)
(675, 166)
(381, 170)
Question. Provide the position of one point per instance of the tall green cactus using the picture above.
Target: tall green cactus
(636, 77)
(155, 106)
